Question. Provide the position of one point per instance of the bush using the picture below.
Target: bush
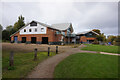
(95, 42)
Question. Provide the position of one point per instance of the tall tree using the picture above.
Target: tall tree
(20, 23)
(97, 31)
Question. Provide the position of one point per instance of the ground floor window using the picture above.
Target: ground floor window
(23, 39)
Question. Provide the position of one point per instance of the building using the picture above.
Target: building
(40, 33)
(86, 37)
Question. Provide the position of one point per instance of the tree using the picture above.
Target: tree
(97, 31)
(1, 28)
(20, 23)
(101, 37)
(9, 28)
(111, 38)
(5, 35)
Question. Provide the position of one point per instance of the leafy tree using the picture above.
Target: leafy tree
(97, 31)
(111, 39)
(5, 35)
(9, 28)
(20, 23)
(101, 37)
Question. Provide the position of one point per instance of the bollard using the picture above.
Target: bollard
(11, 62)
(35, 55)
(56, 49)
(48, 51)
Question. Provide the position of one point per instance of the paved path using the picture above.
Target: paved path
(46, 68)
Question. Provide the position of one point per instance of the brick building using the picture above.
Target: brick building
(40, 33)
(86, 37)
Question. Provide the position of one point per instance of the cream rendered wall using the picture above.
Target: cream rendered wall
(38, 27)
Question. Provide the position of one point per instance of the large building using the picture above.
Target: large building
(40, 33)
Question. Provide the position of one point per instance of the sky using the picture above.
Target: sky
(84, 16)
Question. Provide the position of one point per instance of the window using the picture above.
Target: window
(24, 30)
(63, 33)
(42, 29)
(35, 29)
(58, 32)
(30, 30)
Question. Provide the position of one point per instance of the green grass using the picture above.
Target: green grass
(23, 63)
(102, 48)
(87, 65)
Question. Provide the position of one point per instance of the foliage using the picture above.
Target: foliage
(12, 29)
(111, 38)
(1, 28)
(87, 65)
(20, 23)
(5, 35)
(101, 37)
(9, 28)
(95, 41)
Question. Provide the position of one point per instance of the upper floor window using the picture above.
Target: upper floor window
(42, 29)
(24, 30)
(35, 29)
(30, 30)
(33, 23)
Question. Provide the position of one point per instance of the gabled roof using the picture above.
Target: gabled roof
(86, 32)
(60, 27)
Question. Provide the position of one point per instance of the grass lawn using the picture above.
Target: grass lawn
(23, 63)
(87, 65)
(102, 48)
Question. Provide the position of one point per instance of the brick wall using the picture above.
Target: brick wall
(52, 37)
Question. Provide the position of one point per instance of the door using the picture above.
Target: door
(15, 39)
(23, 39)
(33, 40)
(44, 40)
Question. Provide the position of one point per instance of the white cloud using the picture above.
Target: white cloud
(83, 16)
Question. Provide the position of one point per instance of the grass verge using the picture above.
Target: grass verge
(102, 48)
(88, 65)
(23, 63)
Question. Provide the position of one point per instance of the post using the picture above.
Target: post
(56, 49)
(35, 55)
(11, 62)
(48, 51)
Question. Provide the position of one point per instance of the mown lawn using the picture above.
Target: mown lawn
(88, 65)
(23, 63)
(102, 48)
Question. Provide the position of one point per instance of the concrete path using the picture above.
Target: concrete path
(109, 53)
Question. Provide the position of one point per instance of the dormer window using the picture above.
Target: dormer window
(33, 23)
(24, 30)
(30, 30)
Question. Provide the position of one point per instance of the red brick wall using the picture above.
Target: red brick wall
(50, 34)
(83, 39)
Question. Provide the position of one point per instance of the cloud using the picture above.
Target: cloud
(83, 15)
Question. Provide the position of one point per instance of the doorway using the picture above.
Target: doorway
(33, 40)
(23, 39)
(44, 40)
